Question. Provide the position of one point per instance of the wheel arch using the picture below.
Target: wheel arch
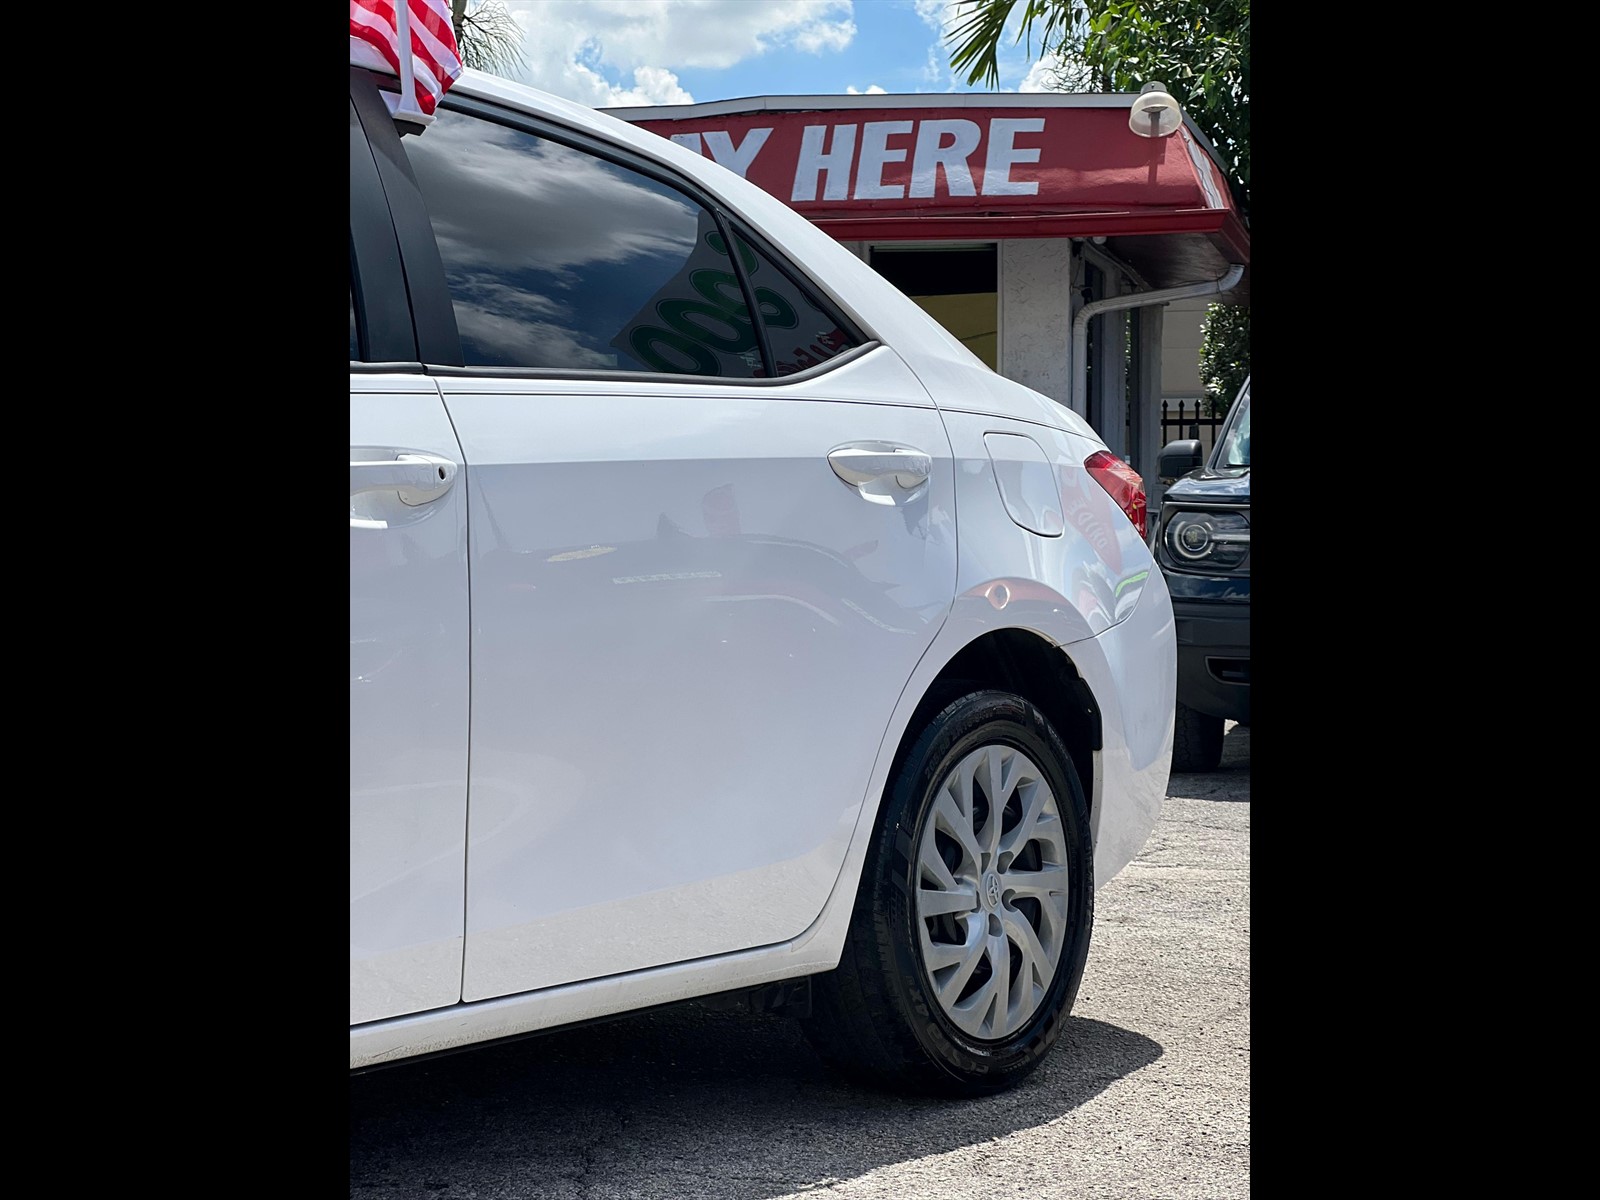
(1031, 666)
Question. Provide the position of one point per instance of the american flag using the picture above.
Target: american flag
(435, 60)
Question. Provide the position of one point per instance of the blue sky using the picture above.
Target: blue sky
(617, 52)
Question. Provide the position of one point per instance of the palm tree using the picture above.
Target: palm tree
(488, 37)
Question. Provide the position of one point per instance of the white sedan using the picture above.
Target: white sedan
(719, 625)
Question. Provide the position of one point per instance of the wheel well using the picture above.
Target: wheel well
(1014, 660)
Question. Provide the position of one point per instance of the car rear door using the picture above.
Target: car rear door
(698, 588)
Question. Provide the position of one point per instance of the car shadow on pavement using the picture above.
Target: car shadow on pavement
(682, 1101)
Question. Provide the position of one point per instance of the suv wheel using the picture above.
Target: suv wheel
(1197, 740)
(972, 920)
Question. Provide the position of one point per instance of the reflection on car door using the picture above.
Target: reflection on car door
(689, 634)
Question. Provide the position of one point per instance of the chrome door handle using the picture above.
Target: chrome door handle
(418, 478)
(869, 462)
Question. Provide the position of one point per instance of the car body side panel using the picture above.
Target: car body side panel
(1082, 582)
(1093, 591)
(1131, 774)
(688, 636)
(1133, 672)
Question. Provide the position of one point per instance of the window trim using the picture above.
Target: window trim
(377, 279)
(729, 223)
(400, 367)
(747, 289)
(433, 316)
(559, 373)
(763, 247)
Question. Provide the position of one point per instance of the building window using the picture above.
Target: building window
(958, 286)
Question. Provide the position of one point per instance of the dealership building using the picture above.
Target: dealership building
(1048, 231)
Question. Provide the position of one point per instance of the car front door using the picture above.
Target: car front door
(408, 628)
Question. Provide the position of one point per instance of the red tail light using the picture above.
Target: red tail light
(1122, 482)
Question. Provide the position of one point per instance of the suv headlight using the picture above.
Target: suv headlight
(1207, 541)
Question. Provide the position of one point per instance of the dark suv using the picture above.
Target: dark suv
(1201, 539)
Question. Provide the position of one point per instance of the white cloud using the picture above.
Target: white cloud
(939, 15)
(814, 39)
(584, 50)
(652, 85)
(1040, 75)
(873, 90)
(498, 174)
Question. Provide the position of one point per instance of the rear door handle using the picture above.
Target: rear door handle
(861, 463)
(417, 478)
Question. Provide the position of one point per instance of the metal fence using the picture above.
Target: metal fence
(1189, 421)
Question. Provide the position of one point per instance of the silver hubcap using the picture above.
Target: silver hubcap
(992, 891)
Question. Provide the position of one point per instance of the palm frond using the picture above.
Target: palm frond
(975, 37)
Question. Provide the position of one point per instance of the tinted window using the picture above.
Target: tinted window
(355, 338)
(556, 258)
(800, 329)
(1235, 450)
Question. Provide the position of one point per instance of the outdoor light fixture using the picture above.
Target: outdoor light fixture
(1154, 114)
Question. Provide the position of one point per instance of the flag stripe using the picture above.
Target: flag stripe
(435, 22)
(436, 63)
(440, 54)
(435, 57)
(374, 22)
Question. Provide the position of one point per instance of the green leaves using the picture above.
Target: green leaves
(1224, 354)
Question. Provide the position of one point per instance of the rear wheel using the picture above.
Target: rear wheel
(972, 920)
(1196, 740)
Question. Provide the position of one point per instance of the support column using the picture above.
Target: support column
(1110, 400)
(1035, 314)
(1146, 448)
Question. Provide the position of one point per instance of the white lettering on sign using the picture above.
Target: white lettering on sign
(1004, 154)
(932, 154)
(875, 154)
(814, 160)
(736, 158)
(827, 154)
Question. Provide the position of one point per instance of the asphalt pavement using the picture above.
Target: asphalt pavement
(1147, 1095)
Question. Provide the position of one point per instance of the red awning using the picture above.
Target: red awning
(972, 166)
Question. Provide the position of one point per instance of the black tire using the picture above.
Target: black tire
(1196, 740)
(876, 1018)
